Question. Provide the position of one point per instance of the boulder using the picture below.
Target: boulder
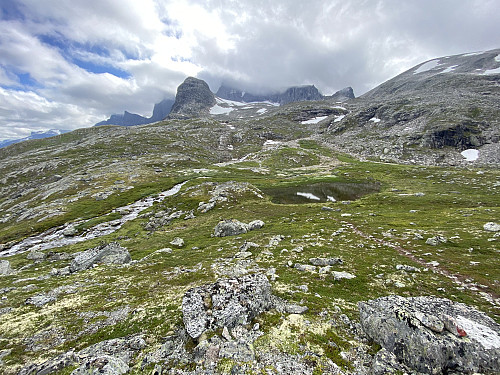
(433, 335)
(107, 254)
(102, 365)
(230, 228)
(5, 268)
(255, 224)
(491, 227)
(36, 255)
(70, 231)
(226, 303)
(52, 365)
(436, 240)
(342, 275)
(177, 241)
(325, 261)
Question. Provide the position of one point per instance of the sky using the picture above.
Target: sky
(67, 64)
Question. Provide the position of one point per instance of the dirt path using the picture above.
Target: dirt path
(483, 291)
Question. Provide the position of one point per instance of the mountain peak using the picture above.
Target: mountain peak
(193, 99)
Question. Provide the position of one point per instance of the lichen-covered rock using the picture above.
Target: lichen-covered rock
(102, 365)
(36, 255)
(226, 303)
(52, 365)
(107, 254)
(5, 268)
(433, 335)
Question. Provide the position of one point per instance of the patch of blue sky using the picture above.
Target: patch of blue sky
(92, 67)
(80, 55)
(10, 10)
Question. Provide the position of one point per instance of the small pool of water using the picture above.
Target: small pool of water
(321, 192)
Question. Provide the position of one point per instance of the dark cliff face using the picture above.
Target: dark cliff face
(299, 94)
(161, 110)
(343, 95)
(193, 99)
(291, 95)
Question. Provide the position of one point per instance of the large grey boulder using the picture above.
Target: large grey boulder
(433, 335)
(235, 227)
(230, 228)
(112, 253)
(226, 303)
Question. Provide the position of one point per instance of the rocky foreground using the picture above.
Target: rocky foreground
(220, 334)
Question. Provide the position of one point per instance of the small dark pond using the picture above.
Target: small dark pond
(321, 192)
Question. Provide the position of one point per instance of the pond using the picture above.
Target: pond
(321, 192)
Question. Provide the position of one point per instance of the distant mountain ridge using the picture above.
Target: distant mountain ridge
(34, 135)
(160, 111)
(196, 98)
(291, 95)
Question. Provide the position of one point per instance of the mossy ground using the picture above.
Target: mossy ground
(145, 297)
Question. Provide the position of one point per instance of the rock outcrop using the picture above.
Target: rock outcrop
(235, 227)
(5, 268)
(433, 335)
(193, 99)
(226, 303)
(106, 254)
(343, 95)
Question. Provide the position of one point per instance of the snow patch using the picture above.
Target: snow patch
(339, 107)
(231, 126)
(218, 110)
(230, 102)
(473, 53)
(309, 196)
(470, 154)
(314, 120)
(330, 198)
(262, 110)
(374, 120)
(338, 118)
(427, 66)
(482, 334)
(271, 142)
(449, 69)
(492, 71)
(230, 147)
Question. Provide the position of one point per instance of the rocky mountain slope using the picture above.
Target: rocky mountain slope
(428, 114)
(246, 238)
(33, 135)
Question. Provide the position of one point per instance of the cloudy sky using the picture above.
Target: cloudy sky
(66, 64)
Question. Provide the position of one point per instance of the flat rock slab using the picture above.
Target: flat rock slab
(107, 254)
(433, 335)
